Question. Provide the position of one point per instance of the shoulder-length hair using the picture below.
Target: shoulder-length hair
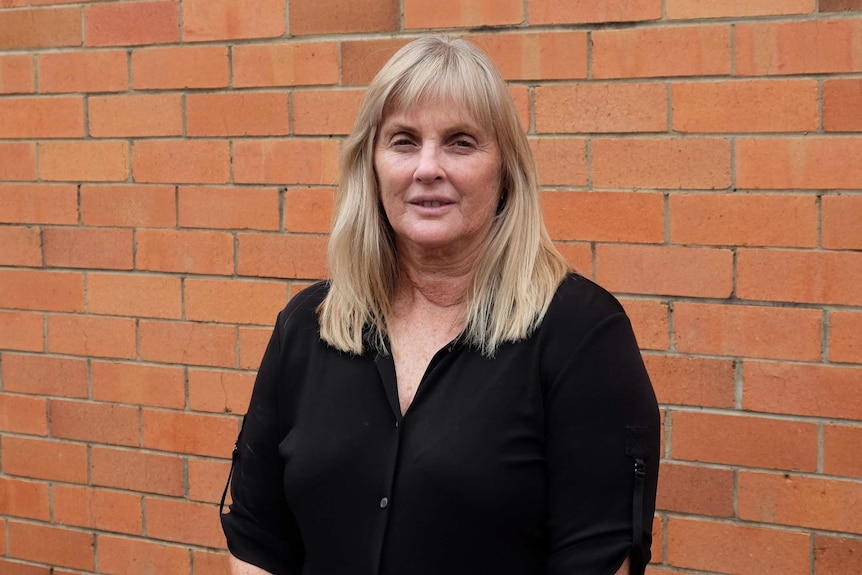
(519, 269)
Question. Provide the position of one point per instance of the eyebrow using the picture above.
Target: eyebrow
(460, 128)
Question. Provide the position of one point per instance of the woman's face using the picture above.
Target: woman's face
(439, 178)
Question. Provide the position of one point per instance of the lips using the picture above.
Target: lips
(426, 202)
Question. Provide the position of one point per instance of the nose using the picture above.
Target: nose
(428, 167)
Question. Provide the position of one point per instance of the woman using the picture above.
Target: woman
(453, 400)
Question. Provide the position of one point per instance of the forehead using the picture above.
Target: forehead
(441, 113)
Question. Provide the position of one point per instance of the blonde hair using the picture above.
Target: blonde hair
(519, 269)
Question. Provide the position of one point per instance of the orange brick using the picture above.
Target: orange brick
(697, 381)
(234, 301)
(799, 389)
(84, 71)
(744, 219)
(15, 568)
(184, 251)
(91, 336)
(584, 11)
(95, 422)
(53, 545)
(462, 13)
(284, 256)
(220, 391)
(196, 528)
(188, 343)
(129, 206)
(137, 384)
(649, 320)
(44, 375)
(840, 222)
(23, 414)
(16, 74)
(97, 509)
(748, 330)
(604, 216)
(305, 161)
(45, 459)
(132, 23)
(333, 16)
(361, 59)
(252, 343)
(134, 295)
(693, 163)
(46, 28)
(737, 549)
(560, 161)
(844, 342)
(182, 161)
(207, 479)
(308, 209)
(842, 105)
(665, 270)
(780, 444)
(802, 501)
(601, 107)
(800, 276)
(22, 331)
(206, 20)
(229, 208)
(27, 499)
(799, 163)
(88, 248)
(38, 204)
(137, 470)
(840, 443)
(42, 290)
(325, 112)
(535, 56)
(138, 115)
(90, 160)
(17, 161)
(42, 117)
(237, 114)
(190, 433)
(839, 5)
(20, 246)
(208, 563)
(836, 555)
(693, 489)
(285, 64)
(694, 9)
(122, 556)
(180, 67)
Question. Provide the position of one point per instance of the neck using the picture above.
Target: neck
(440, 281)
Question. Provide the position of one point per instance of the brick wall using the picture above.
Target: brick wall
(166, 172)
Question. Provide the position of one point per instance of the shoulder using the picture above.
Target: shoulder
(301, 310)
(580, 305)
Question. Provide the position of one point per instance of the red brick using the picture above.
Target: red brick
(840, 443)
(207, 479)
(842, 111)
(649, 320)
(604, 216)
(693, 163)
(334, 16)
(285, 64)
(844, 342)
(800, 276)
(188, 343)
(182, 161)
(208, 563)
(137, 470)
(27, 499)
(122, 556)
(836, 555)
(190, 433)
(693, 489)
(42, 117)
(54, 545)
(17, 161)
(220, 391)
(206, 20)
(308, 209)
(584, 11)
(137, 384)
(180, 67)
(23, 414)
(45, 459)
(38, 204)
(129, 206)
(132, 23)
(84, 71)
(799, 389)
(91, 336)
(229, 208)
(840, 222)
(42, 290)
(15, 568)
(252, 343)
(234, 301)
(535, 56)
(462, 13)
(736, 549)
(97, 509)
(95, 422)
(695, 9)
(578, 255)
(137, 115)
(665, 270)
(799, 163)
(184, 251)
(601, 107)
(284, 256)
(44, 375)
(696, 381)
(325, 112)
(744, 220)
(362, 59)
(20, 246)
(16, 74)
(748, 330)
(839, 6)
(803, 501)
(88, 160)
(88, 248)
(134, 295)
(32, 29)
(237, 114)
(21, 331)
(560, 161)
(305, 161)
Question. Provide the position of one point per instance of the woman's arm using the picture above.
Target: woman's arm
(238, 567)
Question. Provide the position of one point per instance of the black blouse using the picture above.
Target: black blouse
(523, 464)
